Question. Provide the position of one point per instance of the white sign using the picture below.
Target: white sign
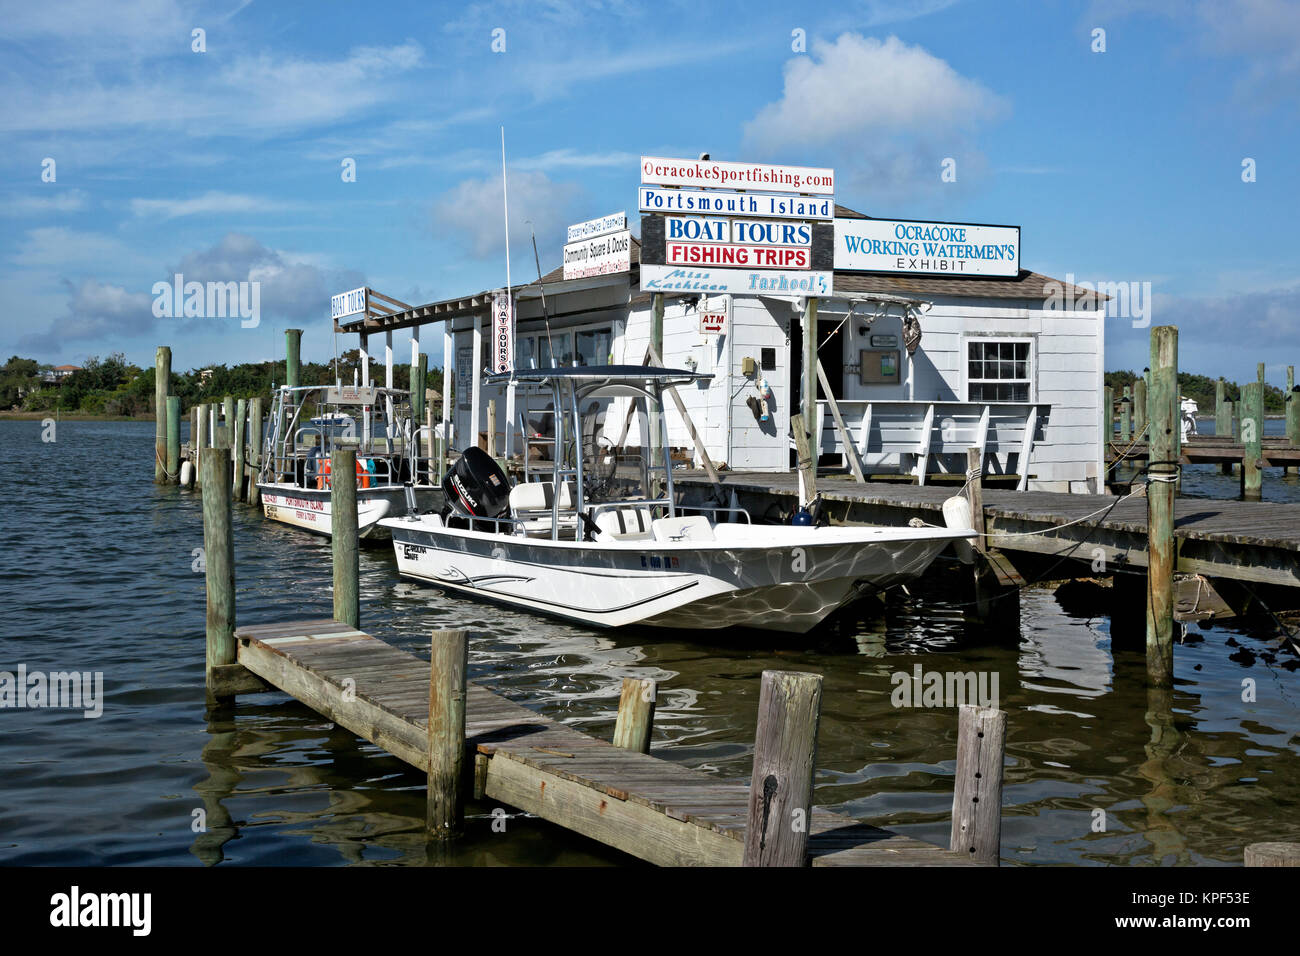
(503, 333)
(713, 315)
(348, 303)
(732, 280)
(658, 171)
(736, 256)
(950, 248)
(597, 227)
(751, 231)
(729, 203)
(600, 256)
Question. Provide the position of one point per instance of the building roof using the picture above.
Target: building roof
(1027, 285)
(67, 368)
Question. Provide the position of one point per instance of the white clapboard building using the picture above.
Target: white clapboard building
(1011, 364)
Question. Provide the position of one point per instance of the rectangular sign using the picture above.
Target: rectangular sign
(736, 256)
(503, 333)
(655, 278)
(721, 202)
(947, 248)
(600, 256)
(713, 315)
(752, 231)
(657, 171)
(348, 303)
(615, 222)
(352, 395)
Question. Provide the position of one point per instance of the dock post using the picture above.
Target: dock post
(173, 440)
(448, 664)
(1162, 465)
(977, 790)
(1273, 854)
(1252, 438)
(239, 448)
(162, 379)
(419, 374)
(1223, 419)
(1126, 415)
(200, 442)
(807, 462)
(343, 531)
(1291, 402)
(1108, 416)
(1139, 407)
(254, 448)
(785, 759)
(492, 428)
(219, 560)
(636, 714)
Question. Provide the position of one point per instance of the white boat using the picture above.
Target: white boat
(393, 477)
(613, 547)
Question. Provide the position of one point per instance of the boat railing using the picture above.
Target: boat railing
(710, 509)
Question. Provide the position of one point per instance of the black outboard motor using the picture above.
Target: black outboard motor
(475, 486)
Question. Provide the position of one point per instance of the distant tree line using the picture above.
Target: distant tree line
(114, 387)
(1201, 389)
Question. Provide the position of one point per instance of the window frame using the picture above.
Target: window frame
(995, 338)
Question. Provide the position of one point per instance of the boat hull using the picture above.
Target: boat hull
(309, 508)
(773, 584)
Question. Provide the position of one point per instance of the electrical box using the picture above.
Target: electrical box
(748, 365)
(879, 367)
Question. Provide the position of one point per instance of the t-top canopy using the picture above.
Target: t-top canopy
(599, 373)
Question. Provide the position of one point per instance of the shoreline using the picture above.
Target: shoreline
(12, 416)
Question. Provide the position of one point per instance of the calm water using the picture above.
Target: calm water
(95, 575)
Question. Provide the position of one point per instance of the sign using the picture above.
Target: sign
(464, 386)
(597, 227)
(912, 246)
(737, 256)
(666, 278)
(757, 232)
(658, 171)
(731, 203)
(713, 315)
(600, 256)
(352, 395)
(503, 333)
(348, 303)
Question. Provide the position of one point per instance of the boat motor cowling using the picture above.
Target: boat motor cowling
(475, 486)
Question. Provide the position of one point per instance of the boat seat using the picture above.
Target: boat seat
(683, 528)
(625, 524)
(539, 496)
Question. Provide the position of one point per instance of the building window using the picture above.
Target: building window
(594, 347)
(997, 371)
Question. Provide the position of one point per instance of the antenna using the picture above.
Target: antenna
(505, 202)
(546, 316)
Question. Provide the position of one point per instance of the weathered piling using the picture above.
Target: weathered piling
(807, 462)
(161, 386)
(255, 427)
(1107, 415)
(239, 446)
(1223, 418)
(636, 714)
(1139, 406)
(1273, 854)
(492, 428)
(343, 530)
(449, 663)
(1292, 400)
(292, 357)
(977, 789)
(200, 443)
(1252, 437)
(228, 422)
(1162, 471)
(219, 560)
(173, 416)
(419, 375)
(785, 758)
(1126, 415)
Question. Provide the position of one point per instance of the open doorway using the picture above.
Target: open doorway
(830, 351)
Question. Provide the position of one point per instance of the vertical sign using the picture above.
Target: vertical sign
(503, 333)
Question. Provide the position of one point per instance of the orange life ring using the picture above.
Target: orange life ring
(322, 476)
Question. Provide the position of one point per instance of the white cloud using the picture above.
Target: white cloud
(568, 158)
(210, 203)
(472, 211)
(69, 250)
(96, 312)
(882, 112)
(62, 201)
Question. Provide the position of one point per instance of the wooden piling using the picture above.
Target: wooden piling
(1139, 406)
(239, 447)
(492, 428)
(161, 387)
(200, 443)
(1126, 416)
(807, 464)
(1108, 416)
(1223, 418)
(1162, 468)
(1273, 854)
(1291, 402)
(785, 759)
(292, 357)
(809, 383)
(219, 559)
(975, 494)
(449, 660)
(343, 530)
(977, 789)
(419, 375)
(1252, 437)
(173, 416)
(255, 426)
(636, 714)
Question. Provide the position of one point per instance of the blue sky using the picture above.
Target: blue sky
(1119, 166)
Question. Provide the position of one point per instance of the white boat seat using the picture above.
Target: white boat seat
(539, 496)
(625, 524)
(683, 528)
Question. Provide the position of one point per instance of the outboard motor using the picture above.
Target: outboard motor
(475, 486)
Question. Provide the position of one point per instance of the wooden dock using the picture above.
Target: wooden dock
(650, 808)
(1275, 452)
(1257, 542)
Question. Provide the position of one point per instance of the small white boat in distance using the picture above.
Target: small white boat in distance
(601, 540)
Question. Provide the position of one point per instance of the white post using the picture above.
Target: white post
(388, 383)
(364, 357)
(447, 368)
(475, 378)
